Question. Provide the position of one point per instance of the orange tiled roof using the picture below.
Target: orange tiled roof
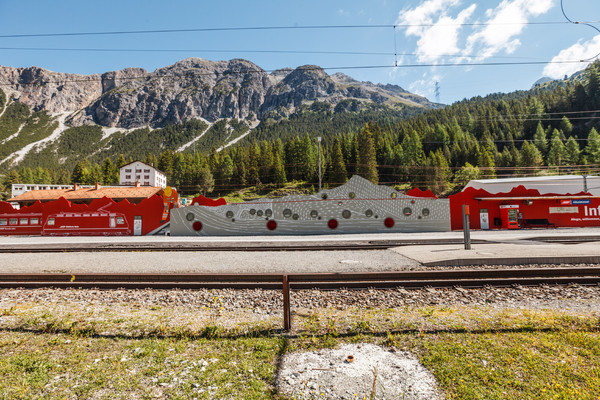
(115, 193)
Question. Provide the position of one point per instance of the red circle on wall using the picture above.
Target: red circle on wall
(271, 225)
(332, 224)
(389, 222)
(197, 225)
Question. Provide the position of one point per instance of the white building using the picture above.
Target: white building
(20, 188)
(145, 174)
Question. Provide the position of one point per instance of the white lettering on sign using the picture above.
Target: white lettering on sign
(564, 210)
(591, 211)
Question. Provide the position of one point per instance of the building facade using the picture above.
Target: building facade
(145, 174)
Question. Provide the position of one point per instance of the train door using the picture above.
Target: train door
(137, 225)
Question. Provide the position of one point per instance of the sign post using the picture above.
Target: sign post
(466, 228)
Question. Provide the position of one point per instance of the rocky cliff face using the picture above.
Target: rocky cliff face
(189, 89)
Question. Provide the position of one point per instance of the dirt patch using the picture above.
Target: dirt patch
(356, 371)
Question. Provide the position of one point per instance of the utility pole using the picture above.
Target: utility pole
(320, 179)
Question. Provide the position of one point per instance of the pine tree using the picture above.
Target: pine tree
(592, 149)
(531, 159)
(367, 160)
(539, 139)
(81, 172)
(572, 152)
(467, 173)
(557, 152)
(337, 174)
(277, 168)
(110, 174)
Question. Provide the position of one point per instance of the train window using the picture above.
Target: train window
(3, 221)
(346, 214)
(314, 214)
(252, 211)
(34, 221)
(351, 195)
(295, 216)
(287, 213)
(268, 212)
(407, 211)
(120, 220)
(189, 216)
(228, 214)
(369, 213)
(50, 221)
(259, 213)
(24, 221)
(425, 212)
(13, 221)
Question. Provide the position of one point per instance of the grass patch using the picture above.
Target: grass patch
(65, 350)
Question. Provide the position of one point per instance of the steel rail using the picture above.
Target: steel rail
(286, 282)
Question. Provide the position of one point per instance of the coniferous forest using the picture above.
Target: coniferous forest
(544, 131)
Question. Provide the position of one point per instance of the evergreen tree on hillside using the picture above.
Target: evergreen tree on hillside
(539, 139)
(367, 161)
(336, 173)
(592, 149)
(572, 152)
(530, 159)
(557, 152)
(81, 172)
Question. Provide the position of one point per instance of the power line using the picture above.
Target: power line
(562, 9)
(267, 28)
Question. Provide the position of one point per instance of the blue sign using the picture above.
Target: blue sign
(580, 201)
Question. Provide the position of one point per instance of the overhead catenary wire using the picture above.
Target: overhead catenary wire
(562, 9)
(268, 28)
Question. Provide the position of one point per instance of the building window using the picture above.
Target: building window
(24, 221)
(146, 170)
(146, 183)
(34, 221)
(128, 170)
(3, 221)
(127, 176)
(146, 176)
(13, 221)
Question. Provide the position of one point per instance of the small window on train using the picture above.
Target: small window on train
(24, 221)
(50, 221)
(425, 212)
(34, 221)
(120, 220)
(407, 211)
(3, 221)
(13, 221)
(287, 213)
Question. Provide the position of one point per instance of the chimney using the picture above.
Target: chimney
(75, 186)
(137, 184)
(98, 186)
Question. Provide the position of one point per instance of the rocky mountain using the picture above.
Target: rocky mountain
(50, 115)
(189, 89)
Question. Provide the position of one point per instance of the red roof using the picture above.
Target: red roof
(116, 193)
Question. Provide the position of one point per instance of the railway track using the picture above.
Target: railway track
(287, 282)
(357, 280)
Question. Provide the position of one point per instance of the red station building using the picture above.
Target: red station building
(532, 202)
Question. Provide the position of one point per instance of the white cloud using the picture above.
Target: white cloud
(578, 51)
(503, 26)
(441, 36)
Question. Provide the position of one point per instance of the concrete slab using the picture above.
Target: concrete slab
(511, 253)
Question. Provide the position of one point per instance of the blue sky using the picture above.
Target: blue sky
(432, 41)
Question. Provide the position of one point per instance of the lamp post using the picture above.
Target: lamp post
(319, 140)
